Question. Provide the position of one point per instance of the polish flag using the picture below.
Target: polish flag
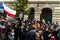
(11, 13)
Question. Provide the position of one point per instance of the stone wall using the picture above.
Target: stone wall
(55, 8)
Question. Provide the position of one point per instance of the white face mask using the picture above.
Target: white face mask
(3, 27)
(9, 24)
(12, 33)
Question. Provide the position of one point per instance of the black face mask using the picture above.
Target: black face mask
(2, 23)
(9, 26)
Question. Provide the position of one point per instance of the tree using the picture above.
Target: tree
(20, 6)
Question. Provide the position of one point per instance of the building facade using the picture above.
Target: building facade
(54, 5)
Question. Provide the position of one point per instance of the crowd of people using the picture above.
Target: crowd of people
(29, 30)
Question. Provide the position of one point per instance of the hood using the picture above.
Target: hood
(31, 35)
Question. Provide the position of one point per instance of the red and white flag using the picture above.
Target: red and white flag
(11, 13)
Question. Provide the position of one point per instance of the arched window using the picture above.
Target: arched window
(31, 14)
(46, 14)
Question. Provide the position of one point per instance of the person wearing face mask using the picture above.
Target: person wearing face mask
(8, 25)
(11, 35)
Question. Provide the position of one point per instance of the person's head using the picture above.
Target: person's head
(2, 17)
(9, 23)
(4, 26)
(33, 35)
(47, 29)
(52, 37)
(16, 21)
(41, 32)
(30, 35)
(55, 26)
(37, 26)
